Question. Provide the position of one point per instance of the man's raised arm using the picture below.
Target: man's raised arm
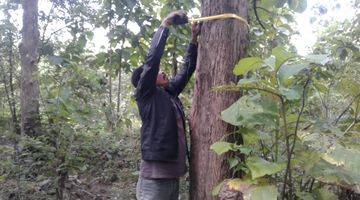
(178, 83)
(147, 81)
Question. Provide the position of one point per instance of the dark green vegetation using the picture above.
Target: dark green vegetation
(297, 122)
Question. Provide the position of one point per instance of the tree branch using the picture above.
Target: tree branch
(238, 88)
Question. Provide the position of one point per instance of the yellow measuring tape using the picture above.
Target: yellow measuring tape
(222, 16)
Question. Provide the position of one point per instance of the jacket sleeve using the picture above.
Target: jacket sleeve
(147, 82)
(178, 83)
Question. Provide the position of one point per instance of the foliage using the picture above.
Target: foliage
(87, 110)
(298, 118)
(291, 144)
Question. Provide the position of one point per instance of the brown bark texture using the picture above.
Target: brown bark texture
(222, 43)
(30, 117)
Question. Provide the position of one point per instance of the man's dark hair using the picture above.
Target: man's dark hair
(136, 76)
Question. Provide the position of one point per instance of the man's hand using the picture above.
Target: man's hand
(175, 18)
(195, 31)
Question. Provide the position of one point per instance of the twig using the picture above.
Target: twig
(346, 109)
(264, 9)
(83, 190)
(311, 184)
(256, 15)
(355, 118)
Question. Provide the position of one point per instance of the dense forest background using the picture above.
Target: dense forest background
(69, 126)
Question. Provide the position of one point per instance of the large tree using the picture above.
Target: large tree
(30, 118)
(222, 44)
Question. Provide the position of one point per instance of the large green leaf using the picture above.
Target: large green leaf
(252, 190)
(260, 167)
(349, 86)
(333, 174)
(318, 58)
(268, 192)
(330, 161)
(250, 111)
(268, 3)
(221, 147)
(291, 93)
(298, 5)
(288, 71)
(250, 137)
(281, 56)
(55, 60)
(271, 62)
(247, 64)
(325, 194)
(215, 191)
(349, 159)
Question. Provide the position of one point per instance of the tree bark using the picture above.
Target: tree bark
(221, 46)
(30, 117)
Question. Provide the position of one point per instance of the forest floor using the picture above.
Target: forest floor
(112, 176)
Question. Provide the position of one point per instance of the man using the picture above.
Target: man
(163, 141)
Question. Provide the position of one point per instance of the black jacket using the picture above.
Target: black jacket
(159, 135)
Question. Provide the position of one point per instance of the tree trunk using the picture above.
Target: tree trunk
(221, 46)
(30, 117)
(11, 84)
(118, 95)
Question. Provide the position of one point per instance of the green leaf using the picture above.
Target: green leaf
(233, 162)
(264, 192)
(260, 167)
(221, 147)
(332, 174)
(288, 71)
(89, 34)
(271, 62)
(325, 194)
(304, 195)
(268, 3)
(292, 93)
(280, 3)
(216, 190)
(321, 59)
(350, 86)
(242, 185)
(281, 56)
(251, 111)
(65, 93)
(319, 86)
(252, 190)
(55, 60)
(298, 5)
(247, 64)
(250, 136)
(134, 59)
(329, 162)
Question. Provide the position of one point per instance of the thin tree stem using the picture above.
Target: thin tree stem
(346, 109)
(355, 118)
(288, 170)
